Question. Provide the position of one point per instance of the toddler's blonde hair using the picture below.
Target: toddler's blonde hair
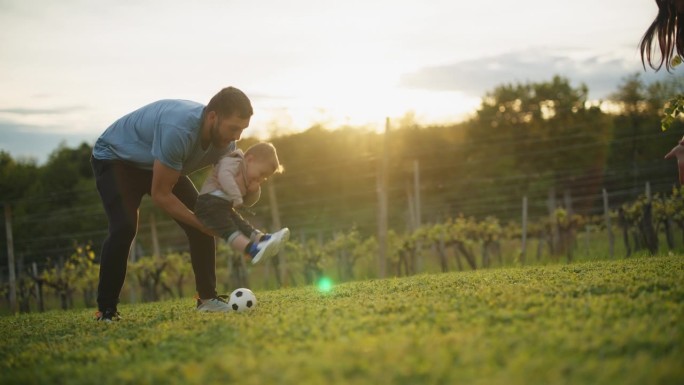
(266, 152)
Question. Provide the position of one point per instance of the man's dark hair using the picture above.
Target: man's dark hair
(229, 101)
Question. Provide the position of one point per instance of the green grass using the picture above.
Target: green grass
(607, 322)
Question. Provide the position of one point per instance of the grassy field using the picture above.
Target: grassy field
(611, 322)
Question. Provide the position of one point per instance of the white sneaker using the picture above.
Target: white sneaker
(271, 246)
(214, 305)
(282, 235)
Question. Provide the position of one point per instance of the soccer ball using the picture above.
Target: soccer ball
(242, 300)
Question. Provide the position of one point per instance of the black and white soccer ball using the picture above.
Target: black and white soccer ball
(242, 300)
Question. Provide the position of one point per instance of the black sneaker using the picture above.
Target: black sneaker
(108, 315)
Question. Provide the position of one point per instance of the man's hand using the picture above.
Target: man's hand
(678, 152)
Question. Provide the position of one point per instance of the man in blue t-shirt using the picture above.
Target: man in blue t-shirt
(151, 151)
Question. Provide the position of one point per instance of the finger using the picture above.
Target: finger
(671, 154)
(677, 151)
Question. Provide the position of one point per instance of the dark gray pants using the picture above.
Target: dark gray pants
(121, 187)
(219, 215)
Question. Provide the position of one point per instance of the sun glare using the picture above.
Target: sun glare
(325, 285)
(355, 93)
(368, 107)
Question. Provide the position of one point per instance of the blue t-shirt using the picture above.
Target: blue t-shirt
(167, 130)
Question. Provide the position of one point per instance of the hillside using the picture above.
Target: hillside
(611, 322)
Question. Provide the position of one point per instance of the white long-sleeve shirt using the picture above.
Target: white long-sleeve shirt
(223, 183)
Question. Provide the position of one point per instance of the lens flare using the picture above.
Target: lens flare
(325, 284)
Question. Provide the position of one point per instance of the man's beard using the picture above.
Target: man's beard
(216, 139)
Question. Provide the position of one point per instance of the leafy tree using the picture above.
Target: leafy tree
(78, 272)
(306, 259)
(637, 147)
(150, 274)
(332, 176)
(349, 248)
(178, 272)
(528, 138)
(58, 206)
(16, 177)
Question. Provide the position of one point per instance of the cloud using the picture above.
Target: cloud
(601, 73)
(42, 111)
(23, 141)
(66, 121)
(270, 96)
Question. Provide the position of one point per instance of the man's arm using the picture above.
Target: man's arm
(164, 179)
(678, 152)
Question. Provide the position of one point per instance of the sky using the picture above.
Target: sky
(70, 68)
